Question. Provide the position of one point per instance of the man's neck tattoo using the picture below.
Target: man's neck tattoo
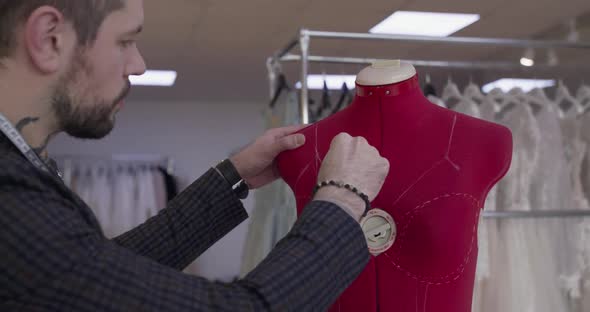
(41, 149)
(27, 121)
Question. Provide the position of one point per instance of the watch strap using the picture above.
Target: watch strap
(229, 172)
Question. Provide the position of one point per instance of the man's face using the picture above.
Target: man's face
(91, 92)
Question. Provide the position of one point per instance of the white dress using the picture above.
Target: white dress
(515, 279)
(585, 136)
(585, 231)
(101, 199)
(549, 191)
(274, 211)
(147, 203)
(125, 195)
(577, 229)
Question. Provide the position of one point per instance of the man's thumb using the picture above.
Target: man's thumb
(291, 142)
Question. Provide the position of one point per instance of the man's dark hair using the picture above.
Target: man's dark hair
(86, 17)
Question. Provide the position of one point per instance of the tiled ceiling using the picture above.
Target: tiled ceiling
(219, 47)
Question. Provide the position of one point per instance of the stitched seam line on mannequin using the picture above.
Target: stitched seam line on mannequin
(381, 115)
(448, 154)
(419, 179)
(461, 268)
(300, 177)
(446, 157)
(413, 213)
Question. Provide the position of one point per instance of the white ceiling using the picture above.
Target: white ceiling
(219, 47)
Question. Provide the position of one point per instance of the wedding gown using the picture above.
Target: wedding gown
(548, 191)
(514, 277)
(575, 149)
(585, 231)
(274, 211)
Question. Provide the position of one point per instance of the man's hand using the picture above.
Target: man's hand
(353, 161)
(256, 163)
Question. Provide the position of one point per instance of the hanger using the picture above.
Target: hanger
(431, 94)
(451, 94)
(429, 89)
(536, 104)
(564, 98)
(583, 96)
(344, 95)
(510, 101)
(326, 102)
(473, 93)
(497, 97)
(281, 86)
(516, 92)
(537, 99)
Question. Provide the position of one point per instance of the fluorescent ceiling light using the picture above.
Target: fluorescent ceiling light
(160, 78)
(334, 82)
(507, 84)
(424, 23)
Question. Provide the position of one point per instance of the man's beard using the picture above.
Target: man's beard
(79, 119)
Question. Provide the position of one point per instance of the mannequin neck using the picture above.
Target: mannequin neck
(391, 90)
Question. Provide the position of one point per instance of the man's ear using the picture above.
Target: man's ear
(46, 39)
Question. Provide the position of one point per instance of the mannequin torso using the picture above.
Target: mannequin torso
(442, 165)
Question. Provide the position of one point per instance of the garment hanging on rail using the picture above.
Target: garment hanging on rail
(548, 256)
(122, 195)
(274, 211)
(549, 192)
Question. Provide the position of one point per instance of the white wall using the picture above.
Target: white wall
(196, 136)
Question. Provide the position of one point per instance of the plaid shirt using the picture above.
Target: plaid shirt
(54, 256)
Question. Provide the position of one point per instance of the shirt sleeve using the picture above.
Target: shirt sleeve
(193, 221)
(53, 260)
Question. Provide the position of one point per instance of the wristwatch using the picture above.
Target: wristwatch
(229, 172)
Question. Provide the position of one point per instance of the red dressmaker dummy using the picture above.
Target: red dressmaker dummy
(442, 166)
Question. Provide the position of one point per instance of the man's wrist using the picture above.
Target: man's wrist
(229, 172)
(348, 201)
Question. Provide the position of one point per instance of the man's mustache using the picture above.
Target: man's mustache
(123, 93)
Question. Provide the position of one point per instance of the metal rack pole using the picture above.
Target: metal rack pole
(304, 45)
(454, 40)
(447, 64)
(535, 214)
(305, 36)
(427, 63)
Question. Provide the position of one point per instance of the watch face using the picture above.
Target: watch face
(380, 231)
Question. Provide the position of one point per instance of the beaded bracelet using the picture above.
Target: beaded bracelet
(349, 187)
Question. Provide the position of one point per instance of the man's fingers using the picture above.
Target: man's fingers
(290, 142)
(285, 131)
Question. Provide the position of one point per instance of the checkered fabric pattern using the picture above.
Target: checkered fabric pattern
(54, 256)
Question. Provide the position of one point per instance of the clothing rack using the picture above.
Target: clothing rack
(304, 39)
(166, 163)
(305, 36)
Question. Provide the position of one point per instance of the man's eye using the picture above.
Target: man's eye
(127, 43)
